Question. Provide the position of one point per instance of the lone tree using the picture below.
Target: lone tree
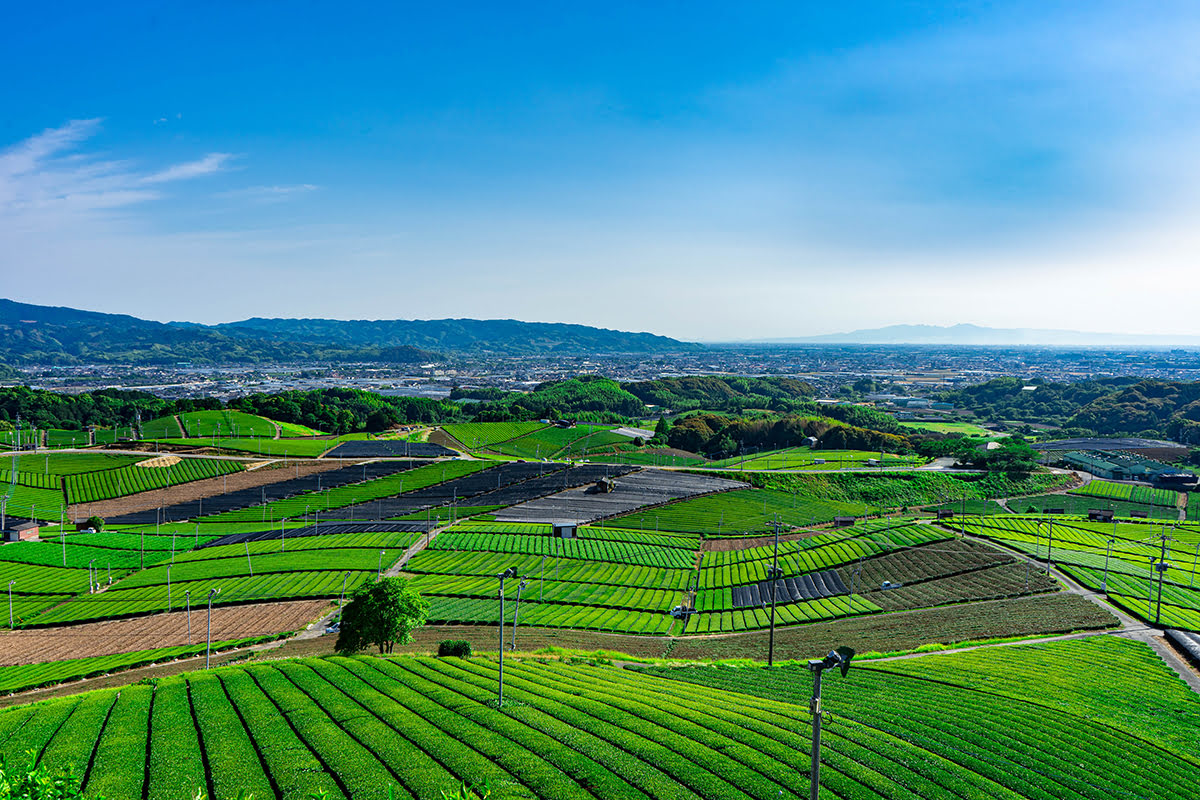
(381, 614)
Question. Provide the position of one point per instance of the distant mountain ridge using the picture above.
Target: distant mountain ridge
(463, 335)
(32, 334)
(968, 334)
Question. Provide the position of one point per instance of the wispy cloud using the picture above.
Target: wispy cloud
(213, 162)
(268, 194)
(48, 181)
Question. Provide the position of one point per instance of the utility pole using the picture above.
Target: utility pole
(837, 658)
(208, 648)
(1107, 551)
(511, 572)
(187, 598)
(517, 613)
(1050, 545)
(853, 582)
(1161, 566)
(342, 600)
(774, 576)
(1191, 582)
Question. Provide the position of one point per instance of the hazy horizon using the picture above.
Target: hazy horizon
(708, 173)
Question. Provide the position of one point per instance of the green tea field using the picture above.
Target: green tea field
(420, 727)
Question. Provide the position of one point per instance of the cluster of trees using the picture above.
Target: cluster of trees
(596, 399)
(722, 436)
(1151, 407)
(108, 408)
(731, 394)
(586, 397)
(1011, 454)
(381, 614)
(348, 410)
(1050, 403)
(330, 410)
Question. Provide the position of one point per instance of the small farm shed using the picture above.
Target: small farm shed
(22, 531)
(564, 530)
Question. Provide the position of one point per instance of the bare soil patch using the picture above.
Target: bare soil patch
(160, 630)
(439, 436)
(159, 461)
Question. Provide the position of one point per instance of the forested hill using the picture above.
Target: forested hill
(1169, 408)
(507, 336)
(1111, 406)
(31, 334)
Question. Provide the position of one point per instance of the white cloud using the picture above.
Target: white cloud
(268, 194)
(213, 162)
(47, 183)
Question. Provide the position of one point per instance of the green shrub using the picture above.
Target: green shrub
(457, 648)
(37, 783)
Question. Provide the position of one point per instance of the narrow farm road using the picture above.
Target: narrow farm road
(1131, 627)
(318, 627)
(413, 549)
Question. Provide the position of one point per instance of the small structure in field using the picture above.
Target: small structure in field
(23, 532)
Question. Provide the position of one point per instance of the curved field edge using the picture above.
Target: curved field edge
(355, 726)
(25, 677)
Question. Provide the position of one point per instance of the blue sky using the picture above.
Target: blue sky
(710, 171)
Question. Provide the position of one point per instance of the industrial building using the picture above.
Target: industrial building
(1125, 466)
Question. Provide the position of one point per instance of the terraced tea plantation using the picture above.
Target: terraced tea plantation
(359, 727)
(746, 512)
(483, 435)
(224, 423)
(1067, 719)
(808, 459)
(262, 446)
(1114, 557)
(1129, 492)
(44, 483)
(351, 493)
(1081, 504)
(22, 677)
(139, 573)
(627, 581)
(553, 442)
(154, 473)
(603, 580)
